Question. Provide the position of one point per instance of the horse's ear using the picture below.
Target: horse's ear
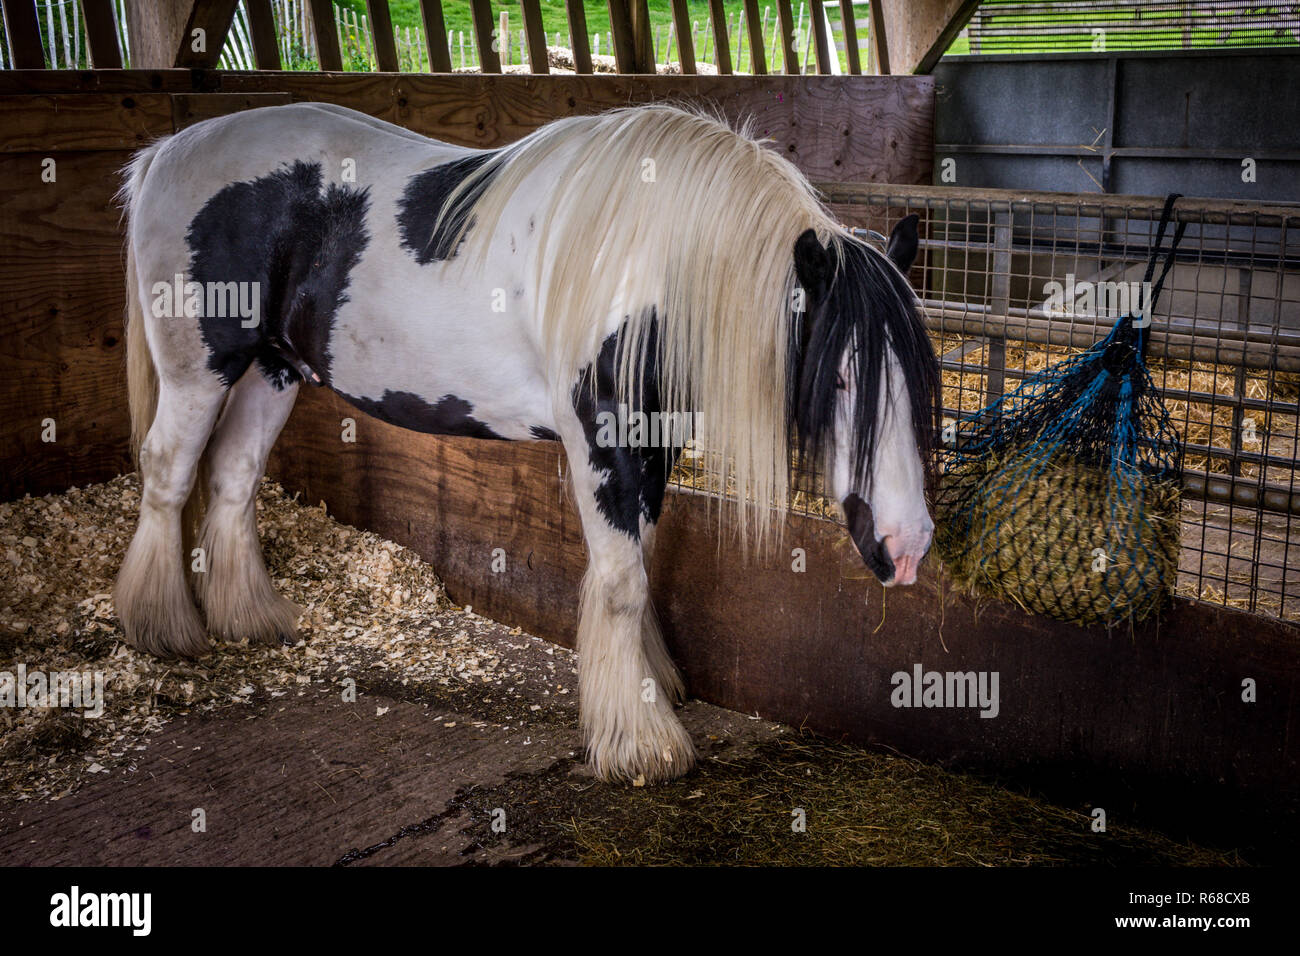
(903, 243)
(812, 265)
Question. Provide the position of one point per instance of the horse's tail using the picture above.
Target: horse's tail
(141, 374)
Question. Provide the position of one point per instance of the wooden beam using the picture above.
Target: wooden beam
(685, 38)
(381, 33)
(535, 35)
(721, 42)
(484, 26)
(261, 23)
(435, 36)
(213, 18)
(326, 32)
(919, 32)
(577, 12)
(879, 37)
(785, 17)
(620, 24)
(643, 37)
(757, 42)
(101, 34)
(24, 33)
(821, 43)
(850, 22)
(819, 656)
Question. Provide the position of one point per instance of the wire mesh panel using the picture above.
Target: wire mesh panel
(1012, 282)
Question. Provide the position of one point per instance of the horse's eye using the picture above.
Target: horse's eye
(839, 383)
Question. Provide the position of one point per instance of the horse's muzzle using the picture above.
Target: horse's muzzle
(862, 528)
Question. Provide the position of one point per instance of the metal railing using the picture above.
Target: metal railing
(1224, 346)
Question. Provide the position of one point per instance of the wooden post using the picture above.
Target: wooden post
(758, 61)
(538, 59)
(786, 28)
(850, 36)
(685, 46)
(101, 35)
(327, 36)
(481, 13)
(578, 36)
(879, 38)
(624, 42)
(918, 32)
(261, 23)
(381, 35)
(213, 18)
(435, 36)
(821, 43)
(24, 33)
(721, 42)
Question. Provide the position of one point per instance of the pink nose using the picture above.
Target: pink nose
(905, 565)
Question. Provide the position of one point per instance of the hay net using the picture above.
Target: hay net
(1063, 495)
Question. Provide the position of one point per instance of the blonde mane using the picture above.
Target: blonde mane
(707, 243)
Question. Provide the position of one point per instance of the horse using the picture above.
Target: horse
(648, 259)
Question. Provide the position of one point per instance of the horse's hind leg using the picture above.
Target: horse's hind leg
(234, 589)
(153, 602)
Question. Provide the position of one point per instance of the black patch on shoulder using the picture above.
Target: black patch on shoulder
(422, 201)
(299, 242)
(448, 416)
(542, 433)
(635, 478)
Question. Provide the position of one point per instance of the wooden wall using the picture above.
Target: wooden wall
(61, 293)
(1151, 718)
(1162, 704)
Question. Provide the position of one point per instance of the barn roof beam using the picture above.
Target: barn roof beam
(918, 32)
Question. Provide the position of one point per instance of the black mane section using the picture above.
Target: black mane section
(867, 307)
(299, 243)
(422, 203)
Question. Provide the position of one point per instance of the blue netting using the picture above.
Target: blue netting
(1063, 495)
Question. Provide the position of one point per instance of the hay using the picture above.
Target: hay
(1059, 538)
(860, 808)
(373, 612)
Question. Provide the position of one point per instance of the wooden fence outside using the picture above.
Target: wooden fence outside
(729, 43)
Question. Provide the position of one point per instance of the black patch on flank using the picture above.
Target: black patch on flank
(299, 242)
(422, 203)
(448, 416)
(542, 433)
(635, 478)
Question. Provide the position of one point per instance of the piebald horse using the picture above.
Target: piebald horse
(650, 259)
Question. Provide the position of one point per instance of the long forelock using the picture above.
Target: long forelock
(869, 312)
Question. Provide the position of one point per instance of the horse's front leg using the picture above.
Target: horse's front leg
(626, 682)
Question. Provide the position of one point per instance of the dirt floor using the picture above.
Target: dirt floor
(460, 747)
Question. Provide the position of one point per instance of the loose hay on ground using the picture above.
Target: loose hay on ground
(372, 611)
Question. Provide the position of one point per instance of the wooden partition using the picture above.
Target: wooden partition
(61, 281)
(1152, 717)
(1161, 705)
